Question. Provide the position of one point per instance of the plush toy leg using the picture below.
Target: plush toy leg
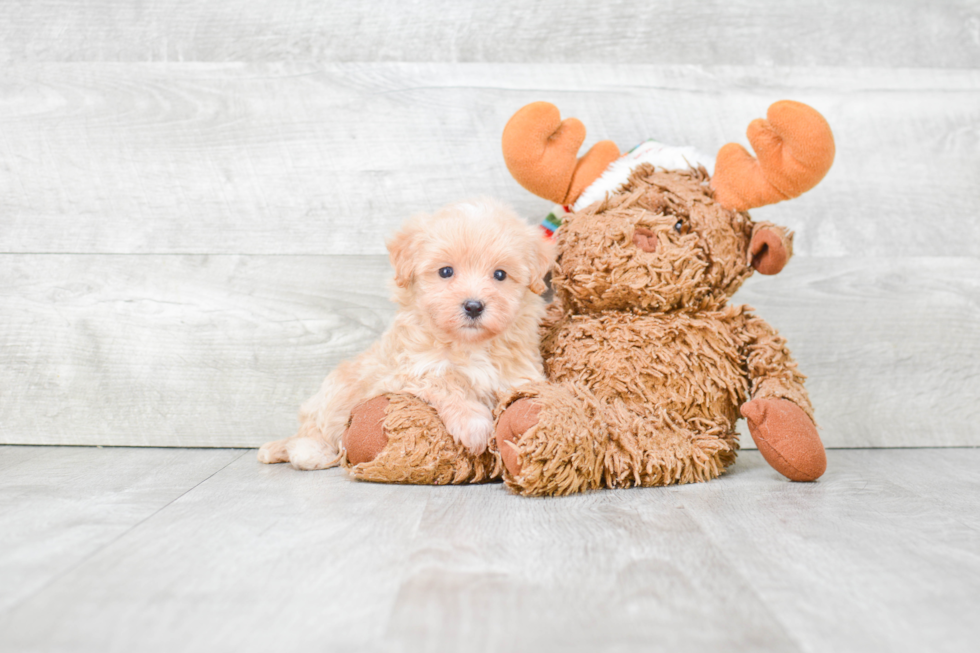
(398, 438)
(650, 447)
(551, 439)
(365, 437)
(786, 438)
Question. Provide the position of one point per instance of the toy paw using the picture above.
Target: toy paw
(548, 442)
(365, 437)
(513, 423)
(786, 438)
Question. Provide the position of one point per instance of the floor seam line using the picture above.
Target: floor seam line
(51, 581)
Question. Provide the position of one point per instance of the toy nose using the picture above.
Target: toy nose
(473, 308)
(645, 239)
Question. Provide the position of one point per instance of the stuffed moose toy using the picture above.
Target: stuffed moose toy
(648, 365)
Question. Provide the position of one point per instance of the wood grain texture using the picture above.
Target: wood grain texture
(250, 556)
(176, 350)
(328, 159)
(903, 33)
(934, 475)
(58, 506)
(13, 456)
(890, 346)
(221, 350)
(194, 197)
(258, 558)
(861, 562)
(614, 571)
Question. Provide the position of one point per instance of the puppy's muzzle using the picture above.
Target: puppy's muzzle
(473, 308)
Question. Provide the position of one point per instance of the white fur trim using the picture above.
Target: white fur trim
(668, 157)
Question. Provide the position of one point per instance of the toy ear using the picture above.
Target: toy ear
(543, 259)
(770, 249)
(402, 249)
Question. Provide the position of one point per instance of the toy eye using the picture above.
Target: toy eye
(445, 272)
(681, 227)
(499, 275)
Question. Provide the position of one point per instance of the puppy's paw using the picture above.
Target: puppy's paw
(310, 453)
(478, 434)
(471, 430)
(273, 452)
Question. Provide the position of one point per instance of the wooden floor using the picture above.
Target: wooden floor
(131, 549)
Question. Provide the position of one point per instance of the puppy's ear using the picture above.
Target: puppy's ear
(542, 260)
(403, 249)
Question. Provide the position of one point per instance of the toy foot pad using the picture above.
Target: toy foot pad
(365, 437)
(514, 422)
(786, 438)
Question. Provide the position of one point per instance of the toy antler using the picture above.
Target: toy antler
(795, 149)
(540, 148)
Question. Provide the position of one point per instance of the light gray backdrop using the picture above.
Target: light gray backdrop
(194, 195)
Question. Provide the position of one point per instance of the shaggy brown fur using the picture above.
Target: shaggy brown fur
(467, 284)
(419, 449)
(648, 365)
(563, 453)
(698, 267)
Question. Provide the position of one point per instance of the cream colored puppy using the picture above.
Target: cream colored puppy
(467, 284)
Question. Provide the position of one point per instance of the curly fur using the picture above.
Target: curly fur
(649, 368)
(434, 350)
(648, 364)
(420, 451)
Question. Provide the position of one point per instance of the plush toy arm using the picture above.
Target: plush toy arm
(772, 370)
(779, 415)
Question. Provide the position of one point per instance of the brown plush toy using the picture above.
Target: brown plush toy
(649, 366)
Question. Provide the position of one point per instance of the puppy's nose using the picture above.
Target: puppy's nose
(473, 308)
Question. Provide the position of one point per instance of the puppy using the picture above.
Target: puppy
(467, 284)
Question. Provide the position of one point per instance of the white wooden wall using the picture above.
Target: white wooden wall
(194, 195)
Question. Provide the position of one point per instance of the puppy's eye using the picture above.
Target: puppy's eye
(445, 272)
(682, 227)
(499, 275)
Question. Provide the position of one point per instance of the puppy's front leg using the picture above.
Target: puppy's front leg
(468, 421)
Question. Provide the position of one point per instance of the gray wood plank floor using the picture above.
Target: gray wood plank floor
(174, 549)
(62, 505)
